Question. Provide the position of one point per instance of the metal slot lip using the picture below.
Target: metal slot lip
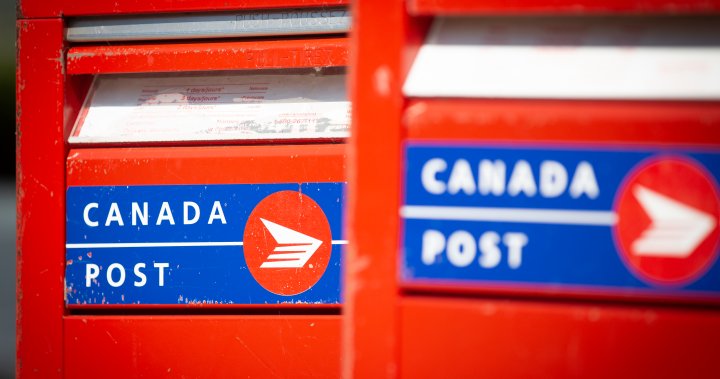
(286, 22)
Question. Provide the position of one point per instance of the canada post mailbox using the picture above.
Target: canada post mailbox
(550, 200)
(181, 178)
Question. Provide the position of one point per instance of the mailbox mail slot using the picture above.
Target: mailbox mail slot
(551, 175)
(190, 165)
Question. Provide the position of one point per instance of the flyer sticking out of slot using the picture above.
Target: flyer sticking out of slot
(211, 107)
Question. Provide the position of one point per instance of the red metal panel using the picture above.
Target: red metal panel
(40, 198)
(596, 122)
(370, 346)
(470, 338)
(56, 8)
(381, 58)
(256, 346)
(203, 56)
(551, 292)
(206, 165)
(509, 7)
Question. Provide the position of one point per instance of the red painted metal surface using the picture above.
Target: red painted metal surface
(204, 56)
(589, 122)
(470, 338)
(426, 331)
(122, 345)
(40, 198)
(255, 346)
(57, 8)
(206, 165)
(515, 7)
(551, 292)
(381, 57)
(370, 346)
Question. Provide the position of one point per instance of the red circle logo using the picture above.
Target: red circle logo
(667, 229)
(287, 243)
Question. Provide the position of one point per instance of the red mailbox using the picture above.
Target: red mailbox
(534, 190)
(181, 169)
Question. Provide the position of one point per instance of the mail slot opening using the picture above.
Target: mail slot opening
(250, 106)
(243, 23)
(590, 57)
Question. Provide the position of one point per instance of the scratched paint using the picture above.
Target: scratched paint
(202, 56)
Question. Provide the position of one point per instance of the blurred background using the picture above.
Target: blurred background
(7, 189)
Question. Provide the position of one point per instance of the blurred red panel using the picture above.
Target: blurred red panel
(471, 338)
(518, 121)
(537, 7)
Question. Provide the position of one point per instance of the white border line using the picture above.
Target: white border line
(118, 245)
(519, 215)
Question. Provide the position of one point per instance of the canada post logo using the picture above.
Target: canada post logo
(287, 243)
(261, 243)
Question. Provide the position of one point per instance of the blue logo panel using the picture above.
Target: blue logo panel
(538, 218)
(181, 244)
